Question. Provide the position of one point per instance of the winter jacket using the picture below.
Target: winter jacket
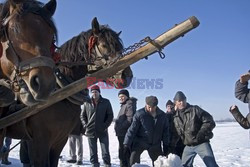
(244, 122)
(148, 132)
(124, 118)
(196, 125)
(175, 140)
(97, 119)
(242, 92)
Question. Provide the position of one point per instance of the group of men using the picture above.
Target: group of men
(149, 128)
(184, 129)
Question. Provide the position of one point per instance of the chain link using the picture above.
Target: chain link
(134, 47)
(140, 44)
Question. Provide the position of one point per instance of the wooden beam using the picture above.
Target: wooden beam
(163, 40)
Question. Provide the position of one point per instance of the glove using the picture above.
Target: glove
(83, 130)
(233, 108)
(200, 137)
(126, 150)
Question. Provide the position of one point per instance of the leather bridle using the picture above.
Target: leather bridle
(21, 67)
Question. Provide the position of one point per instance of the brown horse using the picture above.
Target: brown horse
(47, 132)
(27, 33)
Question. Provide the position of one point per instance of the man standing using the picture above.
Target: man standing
(169, 107)
(241, 89)
(176, 145)
(243, 94)
(123, 122)
(96, 117)
(148, 131)
(194, 125)
(75, 143)
(5, 151)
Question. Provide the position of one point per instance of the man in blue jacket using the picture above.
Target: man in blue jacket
(148, 131)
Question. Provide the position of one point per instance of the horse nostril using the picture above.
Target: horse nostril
(35, 83)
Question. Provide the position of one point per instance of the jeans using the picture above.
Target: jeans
(104, 142)
(124, 158)
(75, 141)
(6, 146)
(153, 153)
(204, 150)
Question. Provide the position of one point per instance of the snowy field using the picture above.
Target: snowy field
(231, 147)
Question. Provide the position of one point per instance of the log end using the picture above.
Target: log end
(194, 21)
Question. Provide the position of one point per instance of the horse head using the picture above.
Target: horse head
(27, 35)
(107, 48)
(99, 47)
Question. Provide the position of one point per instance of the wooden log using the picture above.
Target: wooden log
(163, 40)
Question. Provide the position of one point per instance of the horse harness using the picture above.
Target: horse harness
(21, 67)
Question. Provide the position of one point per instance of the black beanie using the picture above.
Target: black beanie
(179, 96)
(169, 102)
(96, 87)
(124, 92)
(152, 101)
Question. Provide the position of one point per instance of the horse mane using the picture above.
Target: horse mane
(28, 6)
(76, 48)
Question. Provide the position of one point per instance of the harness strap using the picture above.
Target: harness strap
(91, 43)
(36, 62)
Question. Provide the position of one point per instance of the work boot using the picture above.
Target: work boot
(5, 159)
(71, 161)
(79, 163)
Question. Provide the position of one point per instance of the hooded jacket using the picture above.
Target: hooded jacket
(124, 118)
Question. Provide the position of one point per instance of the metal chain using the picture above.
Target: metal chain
(135, 46)
(140, 44)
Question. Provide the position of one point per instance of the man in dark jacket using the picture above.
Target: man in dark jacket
(243, 94)
(176, 145)
(194, 125)
(148, 131)
(96, 117)
(123, 122)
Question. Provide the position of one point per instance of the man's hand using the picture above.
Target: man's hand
(233, 108)
(245, 77)
(126, 150)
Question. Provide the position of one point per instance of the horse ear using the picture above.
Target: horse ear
(51, 7)
(95, 26)
(119, 33)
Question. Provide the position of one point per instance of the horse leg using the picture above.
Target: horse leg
(55, 151)
(40, 150)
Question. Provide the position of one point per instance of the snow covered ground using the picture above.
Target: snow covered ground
(231, 147)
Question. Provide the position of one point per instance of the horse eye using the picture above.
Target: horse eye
(104, 46)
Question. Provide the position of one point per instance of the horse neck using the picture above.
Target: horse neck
(73, 50)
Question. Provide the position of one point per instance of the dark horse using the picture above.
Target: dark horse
(47, 131)
(27, 33)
